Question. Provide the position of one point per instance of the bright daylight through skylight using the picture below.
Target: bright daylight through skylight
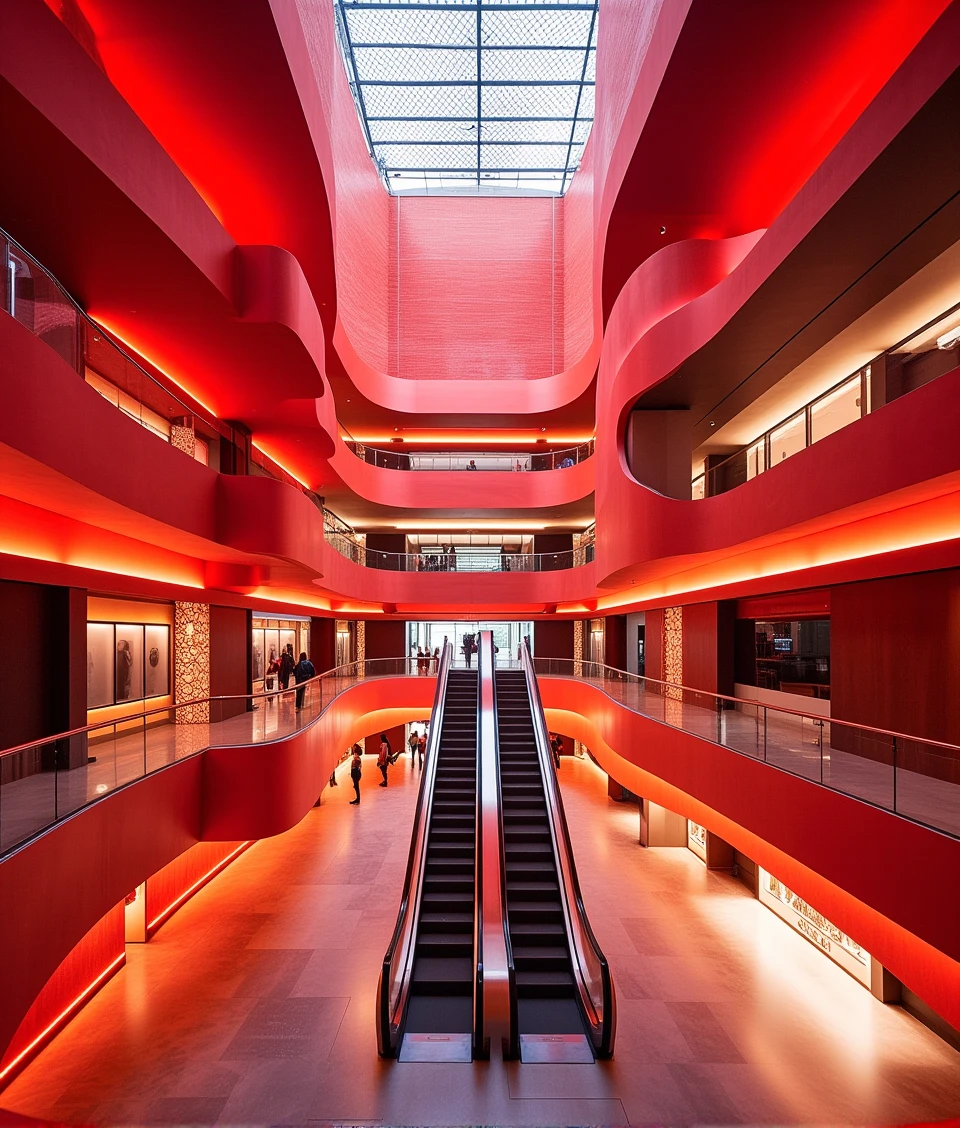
(472, 96)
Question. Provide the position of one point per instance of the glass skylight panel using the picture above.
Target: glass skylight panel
(488, 96)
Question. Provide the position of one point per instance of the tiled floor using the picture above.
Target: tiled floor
(255, 1003)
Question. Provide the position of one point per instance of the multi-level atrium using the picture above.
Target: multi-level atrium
(479, 562)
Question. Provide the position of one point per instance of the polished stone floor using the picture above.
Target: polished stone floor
(255, 1002)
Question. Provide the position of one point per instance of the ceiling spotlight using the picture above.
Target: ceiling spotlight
(663, 231)
(712, 423)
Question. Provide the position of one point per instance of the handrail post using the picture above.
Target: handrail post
(894, 775)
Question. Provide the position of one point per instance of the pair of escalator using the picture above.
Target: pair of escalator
(476, 951)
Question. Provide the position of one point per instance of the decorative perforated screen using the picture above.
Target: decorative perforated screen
(480, 96)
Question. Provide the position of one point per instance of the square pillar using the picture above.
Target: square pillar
(660, 827)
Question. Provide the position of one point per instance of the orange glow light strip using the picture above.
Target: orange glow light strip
(63, 1015)
(108, 328)
(285, 469)
(196, 885)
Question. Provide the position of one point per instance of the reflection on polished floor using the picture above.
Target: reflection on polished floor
(255, 1003)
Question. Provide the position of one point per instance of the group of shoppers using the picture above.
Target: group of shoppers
(443, 561)
(428, 663)
(283, 667)
(385, 758)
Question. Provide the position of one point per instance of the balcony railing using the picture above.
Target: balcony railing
(38, 788)
(914, 778)
(33, 296)
(838, 407)
(400, 458)
(437, 562)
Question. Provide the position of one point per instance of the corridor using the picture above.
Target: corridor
(255, 1002)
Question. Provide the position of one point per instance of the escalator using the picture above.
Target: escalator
(443, 965)
(564, 1007)
(428, 997)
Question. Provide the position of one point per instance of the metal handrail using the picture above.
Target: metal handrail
(517, 562)
(390, 1015)
(753, 703)
(391, 453)
(272, 695)
(603, 1025)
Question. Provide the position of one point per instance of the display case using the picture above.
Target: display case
(127, 662)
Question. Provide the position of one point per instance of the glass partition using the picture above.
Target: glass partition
(915, 778)
(43, 781)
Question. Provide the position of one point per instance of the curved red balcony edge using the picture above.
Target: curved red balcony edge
(877, 877)
(220, 794)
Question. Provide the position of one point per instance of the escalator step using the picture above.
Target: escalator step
(532, 890)
(543, 984)
(540, 957)
(436, 918)
(447, 976)
(440, 1014)
(535, 912)
(549, 1016)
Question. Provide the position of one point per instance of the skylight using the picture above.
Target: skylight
(472, 96)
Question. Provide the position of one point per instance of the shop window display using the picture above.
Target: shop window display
(127, 662)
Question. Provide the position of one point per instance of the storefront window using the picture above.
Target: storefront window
(127, 662)
(268, 640)
(794, 657)
(788, 439)
(838, 409)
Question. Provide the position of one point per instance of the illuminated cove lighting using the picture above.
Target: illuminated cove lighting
(472, 97)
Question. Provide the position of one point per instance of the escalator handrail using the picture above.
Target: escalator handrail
(512, 1040)
(388, 1031)
(602, 1026)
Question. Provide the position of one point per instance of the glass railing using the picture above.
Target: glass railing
(30, 294)
(912, 777)
(394, 986)
(436, 562)
(836, 408)
(401, 458)
(591, 970)
(38, 787)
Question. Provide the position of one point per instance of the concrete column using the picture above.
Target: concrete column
(720, 854)
(660, 827)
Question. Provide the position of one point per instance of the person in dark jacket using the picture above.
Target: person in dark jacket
(356, 771)
(286, 665)
(303, 671)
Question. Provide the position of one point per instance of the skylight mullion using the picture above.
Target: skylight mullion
(479, 87)
(427, 126)
(586, 60)
(492, 82)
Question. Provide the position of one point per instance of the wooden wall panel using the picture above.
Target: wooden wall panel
(230, 672)
(553, 638)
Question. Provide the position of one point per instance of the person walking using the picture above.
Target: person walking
(303, 671)
(412, 742)
(422, 747)
(356, 771)
(436, 661)
(384, 758)
(286, 665)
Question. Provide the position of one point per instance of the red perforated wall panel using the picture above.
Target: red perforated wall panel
(477, 297)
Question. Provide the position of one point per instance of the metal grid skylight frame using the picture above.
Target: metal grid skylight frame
(472, 96)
